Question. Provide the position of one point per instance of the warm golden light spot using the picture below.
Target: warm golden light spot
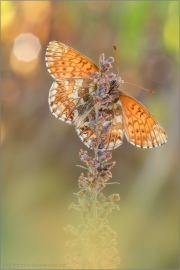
(26, 47)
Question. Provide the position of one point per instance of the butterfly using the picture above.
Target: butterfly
(70, 100)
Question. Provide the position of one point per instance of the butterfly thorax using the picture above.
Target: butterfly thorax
(116, 83)
(114, 90)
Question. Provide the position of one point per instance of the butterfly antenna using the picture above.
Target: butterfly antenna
(116, 58)
(145, 89)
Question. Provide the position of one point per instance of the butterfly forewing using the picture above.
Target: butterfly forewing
(140, 127)
(65, 62)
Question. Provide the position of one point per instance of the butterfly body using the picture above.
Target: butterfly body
(71, 100)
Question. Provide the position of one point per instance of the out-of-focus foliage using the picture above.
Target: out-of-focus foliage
(39, 153)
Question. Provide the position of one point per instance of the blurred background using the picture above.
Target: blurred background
(40, 153)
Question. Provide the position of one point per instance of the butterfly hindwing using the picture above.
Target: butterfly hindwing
(113, 137)
(69, 99)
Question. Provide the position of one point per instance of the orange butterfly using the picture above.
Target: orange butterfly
(70, 100)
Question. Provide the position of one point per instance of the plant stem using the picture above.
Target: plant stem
(96, 156)
(94, 195)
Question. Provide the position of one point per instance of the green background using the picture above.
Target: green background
(40, 153)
